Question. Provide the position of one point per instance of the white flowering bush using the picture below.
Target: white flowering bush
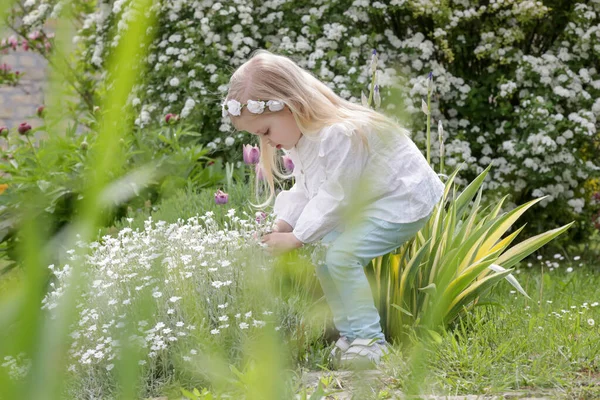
(509, 94)
(196, 274)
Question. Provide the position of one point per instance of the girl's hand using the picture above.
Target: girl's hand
(282, 226)
(280, 242)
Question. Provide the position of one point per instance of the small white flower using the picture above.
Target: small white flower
(244, 325)
(174, 82)
(591, 322)
(275, 105)
(229, 141)
(214, 331)
(258, 323)
(156, 295)
(174, 299)
(111, 366)
(256, 107)
(223, 318)
(234, 107)
(569, 269)
(194, 352)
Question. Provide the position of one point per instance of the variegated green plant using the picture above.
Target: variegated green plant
(459, 255)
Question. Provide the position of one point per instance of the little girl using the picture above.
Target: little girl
(362, 186)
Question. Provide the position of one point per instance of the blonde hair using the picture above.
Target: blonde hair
(268, 76)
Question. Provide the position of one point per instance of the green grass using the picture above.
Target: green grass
(508, 343)
(520, 344)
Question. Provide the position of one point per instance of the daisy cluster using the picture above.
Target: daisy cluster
(533, 115)
(194, 273)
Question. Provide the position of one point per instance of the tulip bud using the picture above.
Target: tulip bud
(374, 61)
(363, 99)
(3, 131)
(96, 109)
(288, 164)
(84, 145)
(221, 197)
(251, 154)
(24, 128)
(430, 81)
(377, 97)
(171, 118)
(40, 111)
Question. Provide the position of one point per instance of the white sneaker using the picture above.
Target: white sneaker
(364, 353)
(339, 348)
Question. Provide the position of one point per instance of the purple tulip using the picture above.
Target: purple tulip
(221, 197)
(288, 164)
(40, 111)
(3, 131)
(251, 154)
(24, 127)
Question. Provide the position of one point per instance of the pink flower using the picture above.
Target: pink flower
(221, 197)
(288, 164)
(24, 128)
(35, 35)
(260, 217)
(13, 42)
(251, 154)
(25, 45)
(170, 117)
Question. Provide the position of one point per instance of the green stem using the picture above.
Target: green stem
(33, 148)
(428, 126)
(372, 88)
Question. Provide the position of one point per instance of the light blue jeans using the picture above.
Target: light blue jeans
(342, 275)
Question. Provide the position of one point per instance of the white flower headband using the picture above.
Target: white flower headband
(256, 107)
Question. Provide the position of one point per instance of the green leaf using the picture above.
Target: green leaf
(467, 195)
(429, 289)
(396, 306)
(189, 394)
(518, 252)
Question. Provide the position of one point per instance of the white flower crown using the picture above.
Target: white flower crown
(234, 107)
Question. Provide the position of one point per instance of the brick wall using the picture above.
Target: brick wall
(19, 103)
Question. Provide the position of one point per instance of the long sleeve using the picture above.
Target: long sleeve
(289, 204)
(343, 158)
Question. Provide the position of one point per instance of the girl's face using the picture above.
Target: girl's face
(277, 129)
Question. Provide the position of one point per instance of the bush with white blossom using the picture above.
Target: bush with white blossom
(509, 94)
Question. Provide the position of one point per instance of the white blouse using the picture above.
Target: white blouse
(336, 173)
